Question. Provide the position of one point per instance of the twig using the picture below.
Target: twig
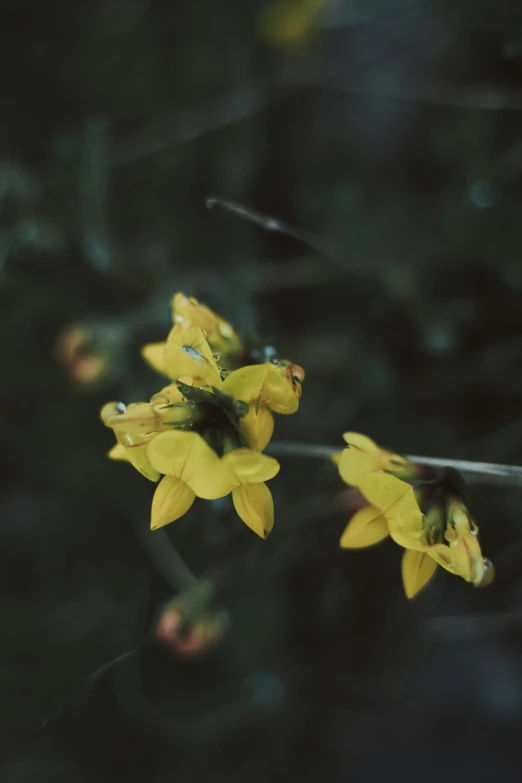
(164, 556)
(277, 226)
(479, 472)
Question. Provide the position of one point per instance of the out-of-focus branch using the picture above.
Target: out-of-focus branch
(479, 472)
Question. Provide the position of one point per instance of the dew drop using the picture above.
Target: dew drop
(488, 573)
(224, 374)
(159, 399)
(216, 355)
(225, 330)
(112, 409)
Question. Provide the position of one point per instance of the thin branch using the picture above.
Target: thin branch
(273, 224)
(164, 556)
(479, 472)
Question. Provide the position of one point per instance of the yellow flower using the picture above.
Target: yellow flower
(417, 569)
(192, 469)
(136, 424)
(186, 460)
(265, 388)
(363, 456)
(185, 353)
(247, 471)
(118, 452)
(462, 554)
(394, 510)
(187, 312)
(395, 501)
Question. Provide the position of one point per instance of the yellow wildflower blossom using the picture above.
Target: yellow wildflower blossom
(265, 388)
(394, 510)
(189, 314)
(185, 353)
(230, 410)
(247, 471)
(136, 424)
(192, 469)
(118, 452)
(418, 569)
(363, 456)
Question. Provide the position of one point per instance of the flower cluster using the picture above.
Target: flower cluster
(395, 489)
(206, 430)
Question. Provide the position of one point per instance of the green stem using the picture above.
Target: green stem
(479, 472)
(164, 555)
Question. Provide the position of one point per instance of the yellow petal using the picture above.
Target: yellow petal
(180, 454)
(188, 353)
(254, 504)
(397, 501)
(172, 499)
(246, 466)
(169, 395)
(137, 456)
(463, 555)
(360, 441)
(136, 425)
(154, 354)
(418, 569)
(188, 457)
(366, 528)
(257, 427)
(355, 464)
(118, 452)
(187, 312)
(384, 460)
(265, 384)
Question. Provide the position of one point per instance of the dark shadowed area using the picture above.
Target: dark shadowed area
(391, 131)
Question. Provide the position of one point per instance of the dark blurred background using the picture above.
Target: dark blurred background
(392, 130)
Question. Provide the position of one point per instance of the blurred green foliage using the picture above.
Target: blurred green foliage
(394, 133)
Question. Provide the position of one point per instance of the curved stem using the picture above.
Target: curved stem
(164, 555)
(479, 472)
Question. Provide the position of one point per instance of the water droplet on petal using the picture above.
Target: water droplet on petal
(224, 374)
(488, 573)
(112, 409)
(216, 355)
(225, 330)
(159, 399)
